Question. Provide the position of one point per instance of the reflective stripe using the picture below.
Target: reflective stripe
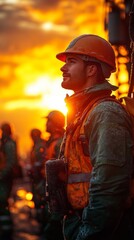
(79, 177)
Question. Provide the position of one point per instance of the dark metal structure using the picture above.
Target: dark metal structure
(117, 22)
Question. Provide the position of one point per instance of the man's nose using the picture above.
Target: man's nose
(64, 68)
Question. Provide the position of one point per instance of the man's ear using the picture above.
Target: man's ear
(91, 70)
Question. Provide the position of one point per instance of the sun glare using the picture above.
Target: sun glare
(14, 1)
(47, 26)
(47, 92)
(54, 101)
(38, 86)
(52, 94)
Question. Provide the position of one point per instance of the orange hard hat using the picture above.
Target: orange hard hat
(96, 49)
(35, 132)
(57, 118)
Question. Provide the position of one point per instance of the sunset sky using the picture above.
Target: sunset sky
(32, 32)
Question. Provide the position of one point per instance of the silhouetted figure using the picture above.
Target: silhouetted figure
(52, 228)
(55, 126)
(8, 160)
(37, 173)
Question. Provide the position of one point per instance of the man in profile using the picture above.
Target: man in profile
(98, 147)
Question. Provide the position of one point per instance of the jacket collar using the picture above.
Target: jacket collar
(78, 101)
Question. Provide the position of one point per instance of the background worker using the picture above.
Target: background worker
(98, 145)
(55, 127)
(8, 161)
(37, 174)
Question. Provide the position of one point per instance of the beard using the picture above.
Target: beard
(66, 83)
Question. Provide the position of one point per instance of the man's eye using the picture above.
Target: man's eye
(72, 61)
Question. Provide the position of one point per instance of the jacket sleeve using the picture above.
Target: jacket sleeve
(110, 145)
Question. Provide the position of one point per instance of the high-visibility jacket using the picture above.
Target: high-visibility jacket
(109, 132)
(78, 158)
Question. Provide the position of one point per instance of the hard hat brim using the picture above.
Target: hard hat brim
(62, 56)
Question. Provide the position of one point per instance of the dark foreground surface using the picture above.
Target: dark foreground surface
(25, 225)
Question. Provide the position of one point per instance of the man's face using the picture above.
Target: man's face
(74, 73)
(49, 125)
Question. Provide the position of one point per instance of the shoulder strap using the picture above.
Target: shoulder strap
(96, 101)
(82, 138)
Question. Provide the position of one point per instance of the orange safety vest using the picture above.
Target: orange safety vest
(78, 159)
(79, 167)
